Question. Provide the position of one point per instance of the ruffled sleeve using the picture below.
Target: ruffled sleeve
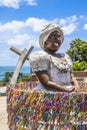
(39, 61)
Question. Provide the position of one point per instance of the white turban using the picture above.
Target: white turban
(47, 29)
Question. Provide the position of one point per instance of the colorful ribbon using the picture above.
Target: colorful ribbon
(29, 110)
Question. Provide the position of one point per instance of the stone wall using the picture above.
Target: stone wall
(80, 75)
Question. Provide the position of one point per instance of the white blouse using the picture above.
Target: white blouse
(58, 71)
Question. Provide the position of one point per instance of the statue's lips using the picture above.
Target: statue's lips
(56, 44)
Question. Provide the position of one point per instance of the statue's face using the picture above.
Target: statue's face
(53, 42)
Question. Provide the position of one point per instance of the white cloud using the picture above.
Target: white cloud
(69, 24)
(10, 3)
(16, 3)
(69, 28)
(23, 33)
(85, 26)
(68, 20)
(19, 39)
(23, 40)
(36, 23)
(31, 2)
(13, 26)
(81, 16)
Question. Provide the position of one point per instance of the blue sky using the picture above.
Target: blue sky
(21, 22)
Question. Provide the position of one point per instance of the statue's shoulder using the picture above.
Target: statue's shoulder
(39, 55)
(39, 61)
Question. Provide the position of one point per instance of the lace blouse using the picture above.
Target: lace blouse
(58, 71)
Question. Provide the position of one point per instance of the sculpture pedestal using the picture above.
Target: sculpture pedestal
(29, 110)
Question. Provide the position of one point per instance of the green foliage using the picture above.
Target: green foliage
(78, 50)
(7, 76)
(78, 54)
(21, 77)
(79, 66)
(1, 83)
(24, 78)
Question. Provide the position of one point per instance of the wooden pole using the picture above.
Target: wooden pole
(19, 52)
(23, 55)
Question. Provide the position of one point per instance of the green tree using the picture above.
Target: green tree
(24, 78)
(7, 76)
(79, 66)
(21, 77)
(78, 50)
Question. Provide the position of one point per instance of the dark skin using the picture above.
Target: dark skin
(51, 46)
